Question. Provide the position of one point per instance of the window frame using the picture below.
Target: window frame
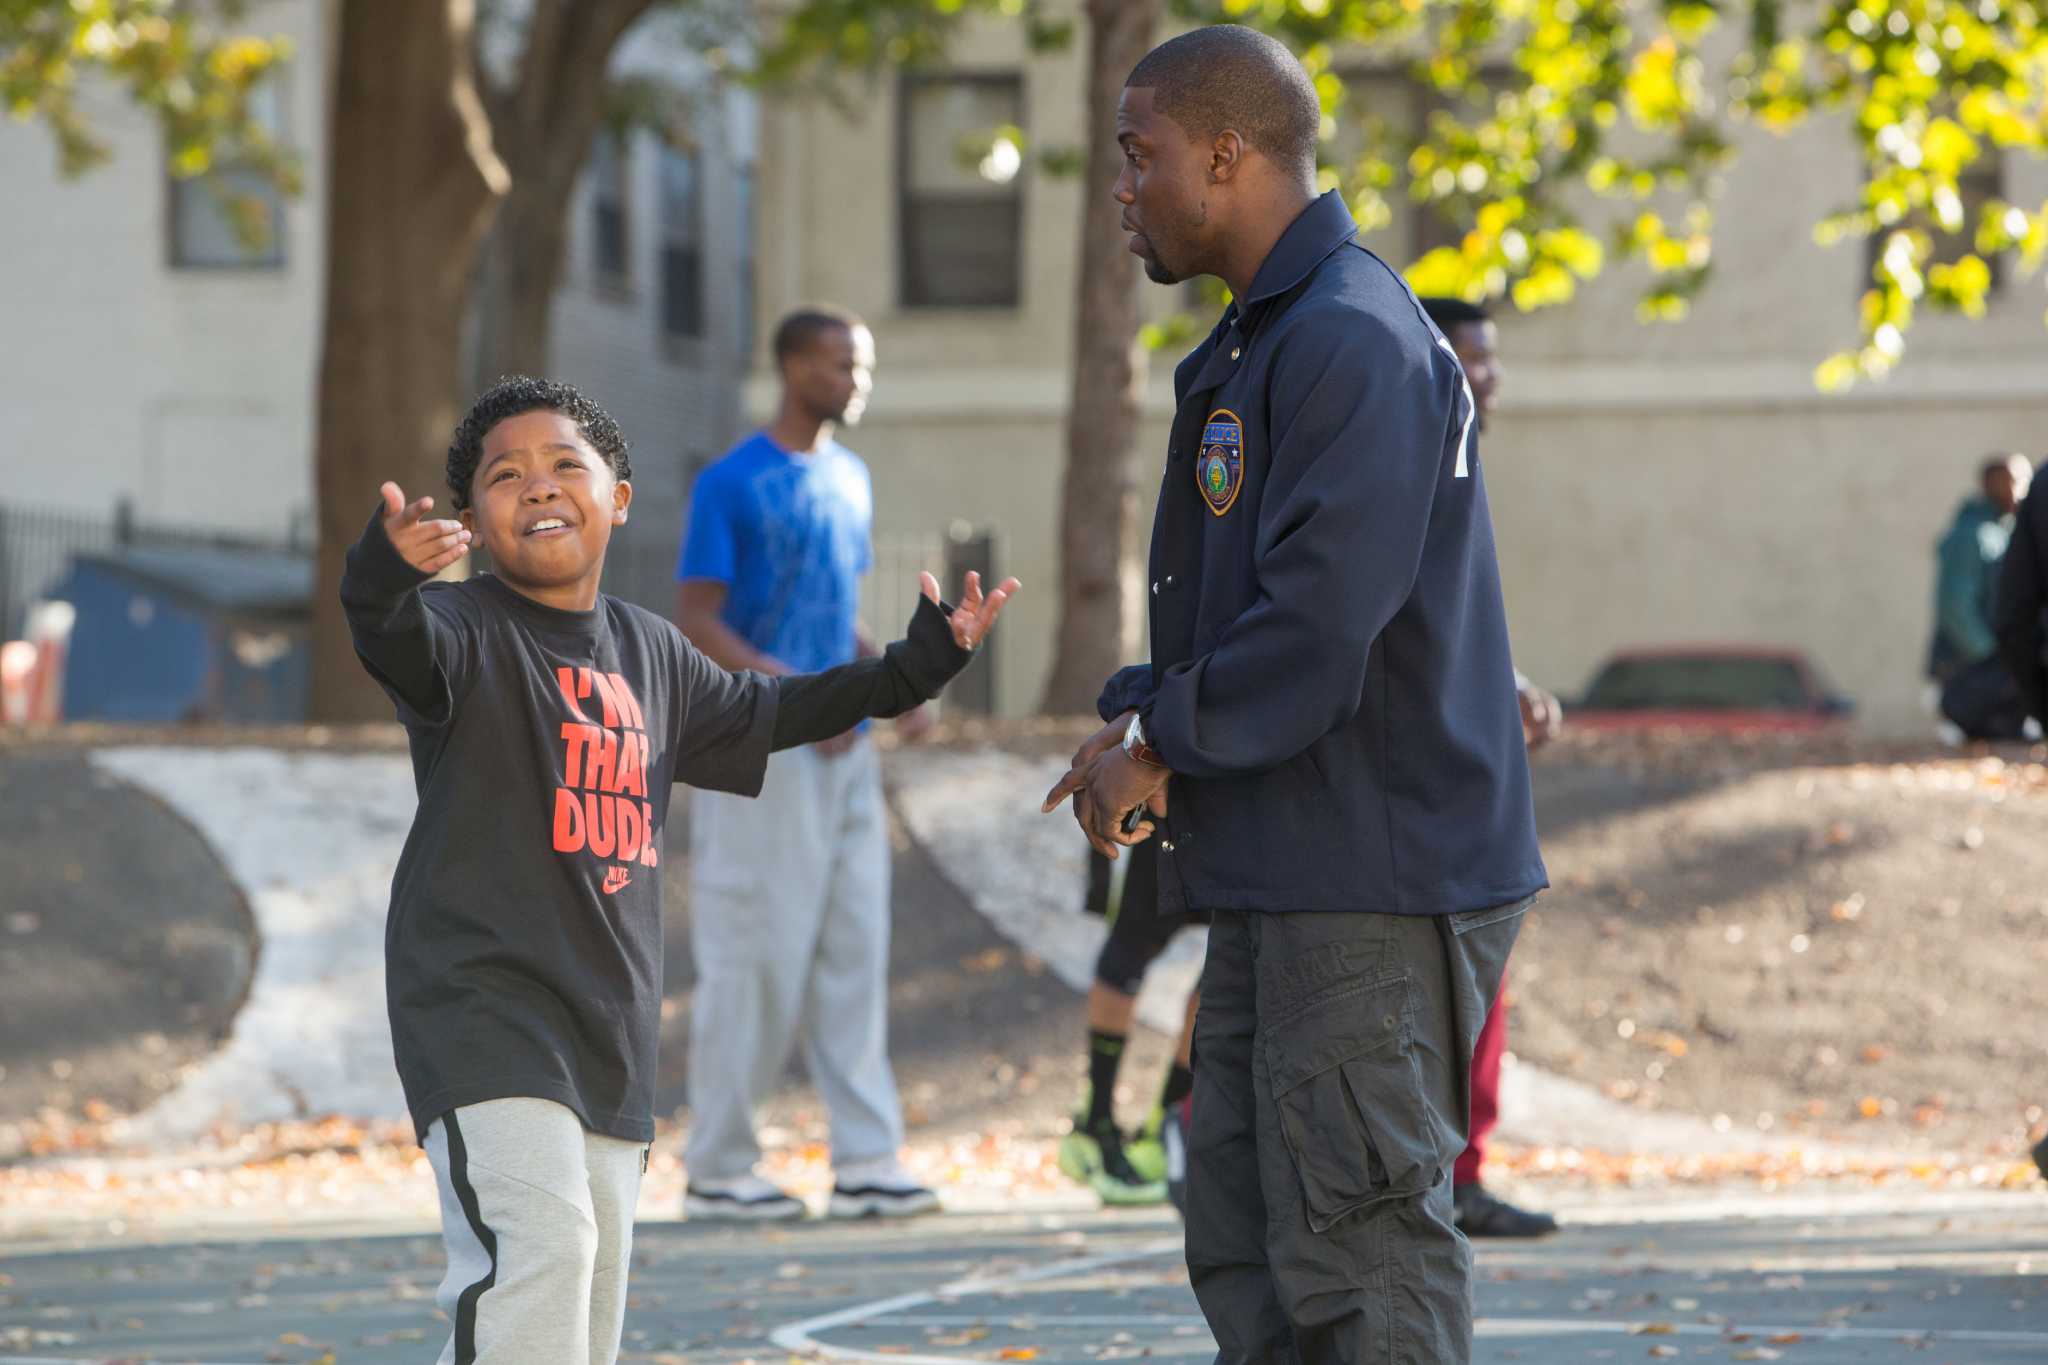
(907, 82)
(694, 243)
(619, 283)
(1987, 172)
(277, 258)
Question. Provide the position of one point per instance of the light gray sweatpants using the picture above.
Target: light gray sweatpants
(789, 924)
(537, 1216)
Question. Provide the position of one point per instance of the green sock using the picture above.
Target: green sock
(1105, 1056)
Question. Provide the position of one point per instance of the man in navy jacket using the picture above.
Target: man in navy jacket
(1327, 742)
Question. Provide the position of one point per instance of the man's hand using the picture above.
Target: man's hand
(1542, 717)
(975, 614)
(1105, 791)
(429, 546)
(1110, 736)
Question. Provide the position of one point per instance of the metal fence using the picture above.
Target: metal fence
(37, 545)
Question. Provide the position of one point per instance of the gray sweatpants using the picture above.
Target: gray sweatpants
(1333, 1092)
(789, 925)
(537, 1216)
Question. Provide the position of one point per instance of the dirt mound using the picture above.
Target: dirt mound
(1821, 939)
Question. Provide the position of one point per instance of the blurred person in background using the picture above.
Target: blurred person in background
(2021, 616)
(1127, 1168)
(1978, 694)
(789, 895)
(1473, 336)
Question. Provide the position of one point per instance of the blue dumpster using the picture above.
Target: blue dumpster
(176, 633)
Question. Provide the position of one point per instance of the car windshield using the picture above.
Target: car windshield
(1698, 683)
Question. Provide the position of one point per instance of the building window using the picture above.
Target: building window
(233, 218)
(610, 247)
(747, 283)
(682, 244)
(959, 195)
(1982, 181)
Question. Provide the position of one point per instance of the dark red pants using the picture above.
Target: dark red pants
(1486, 1055)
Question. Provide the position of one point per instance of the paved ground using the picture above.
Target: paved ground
(1945, 1281)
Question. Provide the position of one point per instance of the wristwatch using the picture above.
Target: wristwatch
(1136, 747)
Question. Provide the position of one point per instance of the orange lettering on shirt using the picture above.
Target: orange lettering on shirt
(568, 822)
(629, 703)
(630, 829)
(600, 824)
(612, 710)
(650, 850)
(628, 779)
(569, 679)
(576, 738)
(603, 761)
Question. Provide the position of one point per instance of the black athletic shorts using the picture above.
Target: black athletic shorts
(1138, 932)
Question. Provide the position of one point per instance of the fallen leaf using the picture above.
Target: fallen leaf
(962, 1338)
(1017, 1353)
(1663, 1352)
(1759, 1353)
(1876, 1052)
(1653, 1329)
(1786, 1338)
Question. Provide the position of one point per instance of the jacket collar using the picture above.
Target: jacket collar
(1317, 231)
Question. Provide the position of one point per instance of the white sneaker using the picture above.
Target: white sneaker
(743, 1199)
(879, 1189)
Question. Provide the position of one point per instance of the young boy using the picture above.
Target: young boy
(523, 949)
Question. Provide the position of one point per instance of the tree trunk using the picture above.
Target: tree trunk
(1099, 493)
(414, 181)
(546, 127)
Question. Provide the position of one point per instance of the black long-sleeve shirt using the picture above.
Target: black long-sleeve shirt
(2022, 601)
(523, 946)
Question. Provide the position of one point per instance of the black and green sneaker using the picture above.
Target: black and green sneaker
(1093, 1155)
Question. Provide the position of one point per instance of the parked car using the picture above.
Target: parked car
(1718, 688)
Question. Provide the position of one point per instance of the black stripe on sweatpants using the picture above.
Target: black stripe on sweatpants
(465, 1306)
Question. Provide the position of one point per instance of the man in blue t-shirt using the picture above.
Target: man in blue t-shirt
(789, 897)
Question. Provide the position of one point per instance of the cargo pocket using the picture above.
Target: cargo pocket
(1349, 1094)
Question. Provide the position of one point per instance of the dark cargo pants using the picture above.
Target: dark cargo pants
(1333, 1060)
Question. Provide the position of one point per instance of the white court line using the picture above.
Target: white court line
(1492, 1326)
(798, 1336)
(94, 1360)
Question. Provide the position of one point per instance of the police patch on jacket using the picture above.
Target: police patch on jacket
(1220, 471)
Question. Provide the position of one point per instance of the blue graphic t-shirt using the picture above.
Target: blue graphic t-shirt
(789, 537)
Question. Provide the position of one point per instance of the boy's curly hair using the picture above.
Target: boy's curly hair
(514, 395)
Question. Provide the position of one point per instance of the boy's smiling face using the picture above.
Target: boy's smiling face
(543, 502)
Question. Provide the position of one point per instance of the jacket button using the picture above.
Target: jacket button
(1166, 846)
(1155, 590)
(1169, 580)
(1234, 351)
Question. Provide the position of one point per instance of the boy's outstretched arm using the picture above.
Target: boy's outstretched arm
(405, 647)
(940, 642)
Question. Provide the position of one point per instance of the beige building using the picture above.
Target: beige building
(1650, 484)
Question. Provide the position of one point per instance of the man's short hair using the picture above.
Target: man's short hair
(1447, 313)
(798, 329)
(1229, 76)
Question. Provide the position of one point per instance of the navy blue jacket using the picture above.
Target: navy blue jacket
(1330, 677)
